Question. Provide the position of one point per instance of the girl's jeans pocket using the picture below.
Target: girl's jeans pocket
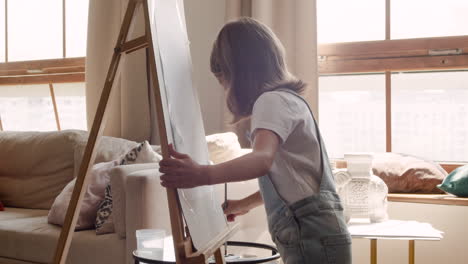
(337, 248)
(286, 232)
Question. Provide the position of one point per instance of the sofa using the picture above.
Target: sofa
(36, 166)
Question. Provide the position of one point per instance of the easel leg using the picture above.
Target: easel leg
(411, 252)
(219, 257)
(373, 253)
(68, 228)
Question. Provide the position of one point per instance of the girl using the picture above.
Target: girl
(305, 216)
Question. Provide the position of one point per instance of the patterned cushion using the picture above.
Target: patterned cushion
(143, 153)
(104, 222)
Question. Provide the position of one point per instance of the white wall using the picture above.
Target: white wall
(204, 20)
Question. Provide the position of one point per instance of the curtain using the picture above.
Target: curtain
(295, 24)
(128, 110)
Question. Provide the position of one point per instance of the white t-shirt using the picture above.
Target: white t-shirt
(296, 171)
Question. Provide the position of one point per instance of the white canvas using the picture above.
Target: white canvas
(202, 210)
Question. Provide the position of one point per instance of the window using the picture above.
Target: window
(354, 23)
(404, 92)
(351, 110)
(42, 49)
(76, 28)
(34, 35)
(440, 18)
(430, 114)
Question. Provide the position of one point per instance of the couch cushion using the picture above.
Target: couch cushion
(32, 239)
(16, 213)
(13, 261)
(35, 166)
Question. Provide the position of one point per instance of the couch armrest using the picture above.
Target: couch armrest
(139, 202)
(118, 182)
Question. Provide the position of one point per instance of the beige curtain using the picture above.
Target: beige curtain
(295, 23)
(128, 113)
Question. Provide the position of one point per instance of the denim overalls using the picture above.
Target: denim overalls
(312, 230)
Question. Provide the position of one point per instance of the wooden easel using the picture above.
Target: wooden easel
(184, 250)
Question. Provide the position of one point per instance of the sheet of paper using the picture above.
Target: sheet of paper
(202, 210)
(397, 229)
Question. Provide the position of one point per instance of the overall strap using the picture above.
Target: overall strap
(274, 203)
(326, 182)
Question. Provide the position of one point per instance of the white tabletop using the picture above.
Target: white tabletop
(393, 229)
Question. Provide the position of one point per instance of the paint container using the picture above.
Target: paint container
(150, 243)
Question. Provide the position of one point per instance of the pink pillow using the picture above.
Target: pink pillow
(98, 179)
(408, 174)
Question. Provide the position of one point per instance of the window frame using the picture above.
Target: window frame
(394, 55)
(42, 71)
(67, 70)
(49, 71)
(58, 70)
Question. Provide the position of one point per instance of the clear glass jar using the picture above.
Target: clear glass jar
(363, 194)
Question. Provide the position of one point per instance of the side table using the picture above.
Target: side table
(393, 229)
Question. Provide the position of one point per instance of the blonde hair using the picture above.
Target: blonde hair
(250, 58)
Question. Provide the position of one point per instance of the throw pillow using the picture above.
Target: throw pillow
(456, 182)
(104, 220)
(109, 148)
(408, 174)
(1, 207)
(143, 153)
(223, 147)
(98, 179)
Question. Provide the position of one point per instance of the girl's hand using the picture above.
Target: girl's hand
(234, 208)
(181, 171)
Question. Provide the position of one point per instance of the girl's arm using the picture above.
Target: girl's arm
(234, 208)
(182, 172)
(249, 166)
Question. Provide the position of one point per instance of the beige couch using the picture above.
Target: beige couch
(34, 168)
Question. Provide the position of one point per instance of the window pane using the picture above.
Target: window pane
(430, 115)
(435, 18)
(76, 26)
(2, 30)
(345, 20)
(352, 113)
(34, 30)
(71, 105)
(32, 112)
